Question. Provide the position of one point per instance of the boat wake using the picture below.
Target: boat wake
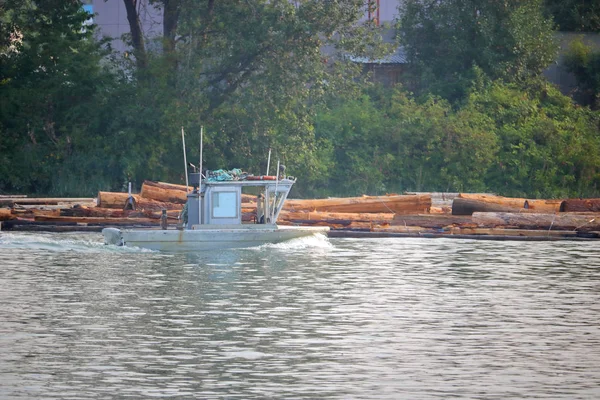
(316, 241)
(63, 242)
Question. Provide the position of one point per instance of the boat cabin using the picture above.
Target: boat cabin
(220, 202)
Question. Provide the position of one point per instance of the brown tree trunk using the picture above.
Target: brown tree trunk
(137, 37)
(511, 232)
(437, 221)
(11, 201)
(118, 200)
(159, 193)
(333, 218)
(579, 222)
(461, 206)
(115, 213)
(543, 206)
(6, 214)
(99, 220)
(402, 229)
(515, 202)
(170, 19)
(580, 205)
(411, 204)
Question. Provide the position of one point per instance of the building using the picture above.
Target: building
(111, 18)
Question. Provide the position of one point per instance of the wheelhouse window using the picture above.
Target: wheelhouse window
(224, 205)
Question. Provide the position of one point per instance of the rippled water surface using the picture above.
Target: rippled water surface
(314, 318)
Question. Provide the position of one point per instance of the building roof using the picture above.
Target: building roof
(397, 57)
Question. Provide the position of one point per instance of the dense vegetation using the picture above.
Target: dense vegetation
(473, 112)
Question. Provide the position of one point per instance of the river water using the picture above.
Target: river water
(398, 318)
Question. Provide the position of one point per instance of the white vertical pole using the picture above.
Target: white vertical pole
(184, 160)
(200, 183)
(268, 161)
(275, 198)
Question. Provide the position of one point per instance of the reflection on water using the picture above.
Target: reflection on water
(345, 318)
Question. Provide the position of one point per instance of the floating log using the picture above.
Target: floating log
(155, 191)
(543, 206)
(580, 205)
(33, 212)
(441, 210)
(52, 228)
(437, 221)
(6, 214)
(493, 199)
(511, 232)
(577, 222)
(407, 204)
(172, 186)
(115, 213)
(402, 229)
(99, 220)
(372, 235)
(12, 201)
(467, 204)
(61, 226)
(461, 206)
(118, 200)
(438, 199)
(328, 216)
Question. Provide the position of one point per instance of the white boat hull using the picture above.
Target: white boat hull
(207, 238)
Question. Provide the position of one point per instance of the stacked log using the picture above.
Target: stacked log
(432, 221)
(99, 220)
(471, 215)
(584, 222)
(408, 204)
(402, 229)
(115, 213)
(580, 205)
(543, 206)
(11, 201)
(6, 214)
(509, 232)
(329, 216)
(119, 200)
(163, 193)
(467, 204)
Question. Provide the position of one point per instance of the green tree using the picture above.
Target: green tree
(439, 149)
(444, 40)
(584, 63)
(575, 15)
(548, 147)
(390, 142)
(52, 86)
(251, 72)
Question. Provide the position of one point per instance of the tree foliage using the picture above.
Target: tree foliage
(251, 73)
(575, 15)
(75, 118)
(584, 63)
(52, 83)
(505, 139)
(444, 40)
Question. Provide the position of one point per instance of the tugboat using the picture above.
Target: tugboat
(212, 217)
